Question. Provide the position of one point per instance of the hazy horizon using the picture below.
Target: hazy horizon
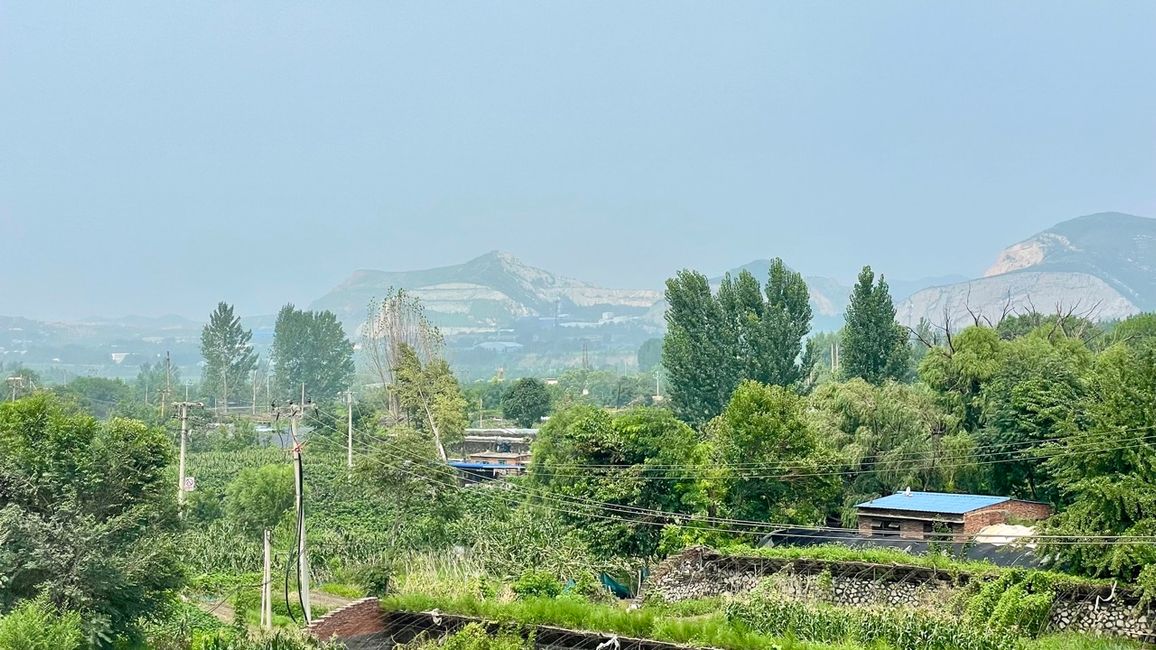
(157, 158)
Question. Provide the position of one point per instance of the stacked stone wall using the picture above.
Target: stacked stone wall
(702, 573)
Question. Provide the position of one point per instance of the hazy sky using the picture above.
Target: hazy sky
(156, 157)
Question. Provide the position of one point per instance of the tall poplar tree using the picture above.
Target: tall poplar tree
(228, 353)
(874, 344)
(310, 348)
(714, 342)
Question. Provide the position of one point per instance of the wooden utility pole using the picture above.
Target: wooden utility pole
(184, 409)
(267, 587)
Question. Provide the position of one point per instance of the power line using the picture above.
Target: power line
(578, 502)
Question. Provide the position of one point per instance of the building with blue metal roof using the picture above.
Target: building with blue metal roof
(917, 515)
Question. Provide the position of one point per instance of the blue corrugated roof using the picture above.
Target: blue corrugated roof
(461, 465)
(955, 504)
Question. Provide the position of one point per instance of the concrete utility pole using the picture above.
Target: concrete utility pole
(168, 383)
(15, 382)
(295, 411)
(184, 409)
(267, 587)
(349, 441)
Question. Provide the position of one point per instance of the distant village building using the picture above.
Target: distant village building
(920, 515)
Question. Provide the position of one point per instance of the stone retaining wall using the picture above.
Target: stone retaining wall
(702, 573)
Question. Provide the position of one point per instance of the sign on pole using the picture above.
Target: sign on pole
(190, 483)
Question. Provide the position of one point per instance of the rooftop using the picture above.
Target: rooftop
(956, 504)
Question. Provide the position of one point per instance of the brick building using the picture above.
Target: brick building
(916, 515)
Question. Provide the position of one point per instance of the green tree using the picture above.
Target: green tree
(874, 345)
(411, 480)
(87, 516)
(310, 349)
(695, 352)
(1108, 472)
(259, 497)
(891, 437)
(959, 372)
(745, 332)
(1033, 397)
(766, 426)
(650, 355)
(526, 401)
(228, 353)
(98, 396)
(430, 398)
(638, 448)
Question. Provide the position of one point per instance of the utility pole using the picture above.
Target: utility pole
(168, 383)
(295, 412)
(349, 441)
(254, 382)
(267, 587)
(184, 408)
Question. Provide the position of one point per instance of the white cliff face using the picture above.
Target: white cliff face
(1018, 293)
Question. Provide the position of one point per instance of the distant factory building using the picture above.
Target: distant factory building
(920, 515)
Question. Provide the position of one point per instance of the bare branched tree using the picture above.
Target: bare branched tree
(398, 319)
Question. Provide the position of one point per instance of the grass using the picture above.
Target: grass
(835, 554)
(692, 623)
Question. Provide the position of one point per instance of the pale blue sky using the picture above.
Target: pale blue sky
(156, 157)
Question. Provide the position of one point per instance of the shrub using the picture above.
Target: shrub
(475, 637)
(540, 584)
(34, 625)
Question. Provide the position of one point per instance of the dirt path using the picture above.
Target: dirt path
(223, 609)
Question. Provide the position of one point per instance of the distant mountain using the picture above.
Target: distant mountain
(486, 293)
(1102, 265)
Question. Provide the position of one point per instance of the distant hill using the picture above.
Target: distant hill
(485, 293)
(1102, 264)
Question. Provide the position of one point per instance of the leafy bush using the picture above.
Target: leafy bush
(376, 578)
(540, 584)
(34, 625)
(475, 637)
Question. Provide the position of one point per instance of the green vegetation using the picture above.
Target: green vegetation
(716, 341)
(228, 352)
(526, 401)
(874, 345)
(755, 438)
(310, 349)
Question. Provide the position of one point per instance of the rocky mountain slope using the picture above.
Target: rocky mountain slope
(487, 292)
(1101, 265)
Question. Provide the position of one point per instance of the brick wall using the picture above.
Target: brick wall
(999, 513)
(360, 620)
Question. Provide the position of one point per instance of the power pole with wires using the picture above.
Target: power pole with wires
(295, 411)
(184, 409)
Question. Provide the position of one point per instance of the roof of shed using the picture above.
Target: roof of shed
(956, 504)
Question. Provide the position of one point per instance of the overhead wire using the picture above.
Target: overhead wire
(767, 527)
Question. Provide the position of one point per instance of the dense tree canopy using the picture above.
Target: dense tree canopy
(228, 352)
(769, 463)
(744, 332)
(874, 345)
(1107, 472)
(310, 349)
(641, 444)
(87, 515)
(526, 401)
